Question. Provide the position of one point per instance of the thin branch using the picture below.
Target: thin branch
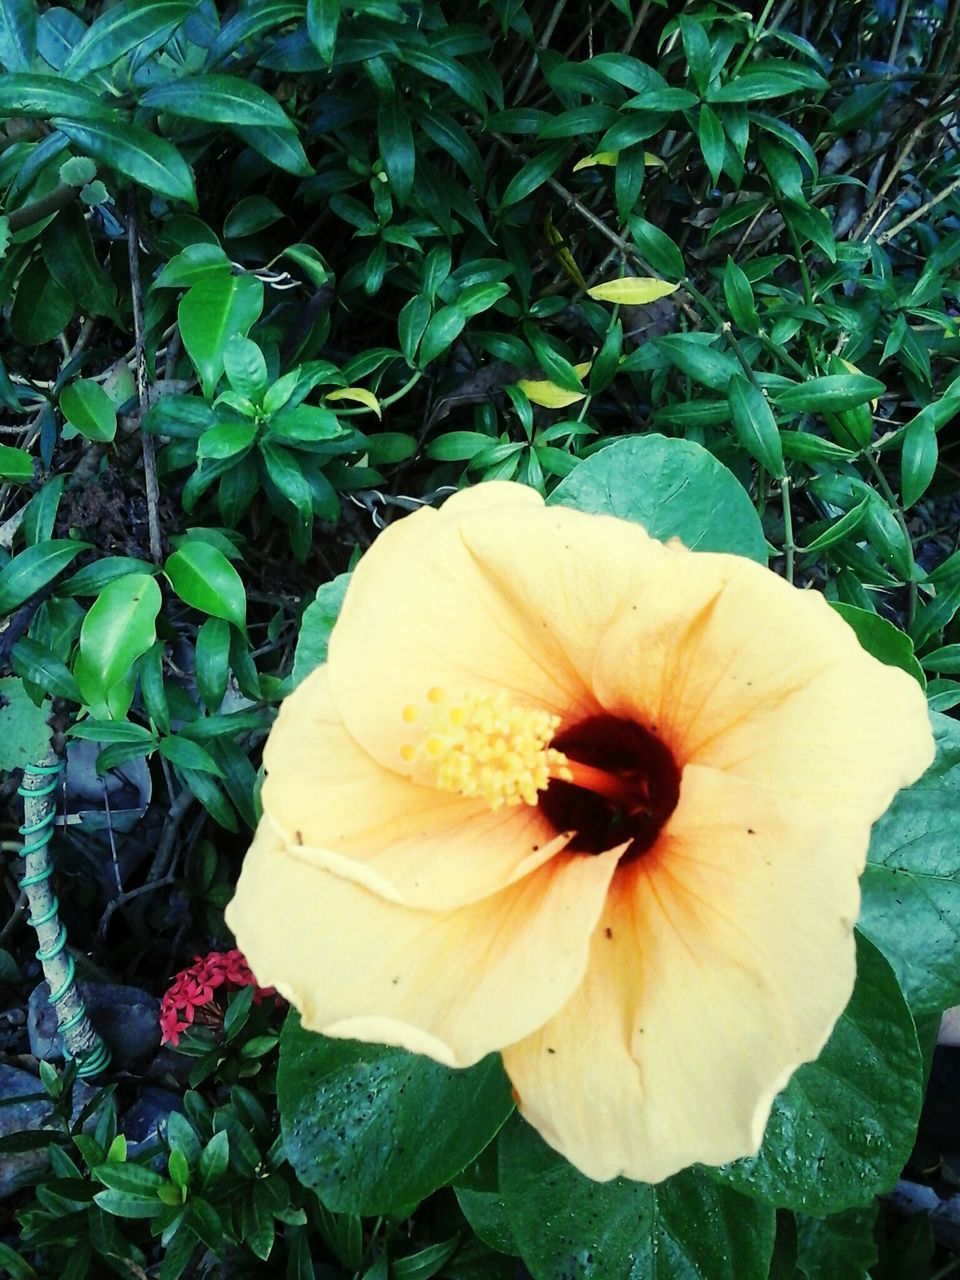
(146, 440)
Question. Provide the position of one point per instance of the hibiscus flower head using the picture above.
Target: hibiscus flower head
(595, 802)
(193, 996)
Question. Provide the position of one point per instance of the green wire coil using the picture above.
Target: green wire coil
(36, 837)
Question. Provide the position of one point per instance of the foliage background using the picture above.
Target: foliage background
(274, 273)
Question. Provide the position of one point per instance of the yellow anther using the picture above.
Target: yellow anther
(486, 747)
(410, 713)
(408, 752)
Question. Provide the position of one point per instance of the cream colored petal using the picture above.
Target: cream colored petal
(494, 592)
(454, 986)
(337, 808)
(723, 959)
(736, 669)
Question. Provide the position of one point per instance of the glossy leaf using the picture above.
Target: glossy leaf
(89, 410)
(369, 1127)
(211, 312)
(135, 153)
(119, 626)
(125, 26)
(687, 1228)
(31, 570)
(223, 99)
(842, 1129)
(755, 424)
(204, 578)
(33, 94)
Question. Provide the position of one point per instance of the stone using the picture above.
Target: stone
(127, 1018)
(144, 1123)
(27, 1117)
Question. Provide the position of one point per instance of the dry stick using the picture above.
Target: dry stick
(918, 213)
(635, 29)
(146, 440)
(898, 164)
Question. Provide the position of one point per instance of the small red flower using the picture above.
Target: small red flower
(190, 997)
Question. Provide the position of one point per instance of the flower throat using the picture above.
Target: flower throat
(606, 779)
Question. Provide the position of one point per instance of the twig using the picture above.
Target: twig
(146, 440)
(635, 29)
(947, 191)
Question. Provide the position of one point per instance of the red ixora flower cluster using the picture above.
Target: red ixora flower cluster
(190, 998)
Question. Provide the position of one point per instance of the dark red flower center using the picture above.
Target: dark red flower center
(632, 802)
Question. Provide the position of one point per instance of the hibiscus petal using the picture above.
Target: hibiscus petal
(454, 986)
(337, 808)
(722, 961)
(735, 669)
(491, 593)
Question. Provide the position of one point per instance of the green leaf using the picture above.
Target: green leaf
(881, 638)
(125, 26)
(442, 331)
(696, 47)
(739, 296)
(396, 146)
(840, 1247)
(227, 439)
(703, 364)
(213, 662)
(31, 570)
(657, 248)
(911, 887)
(316, 625)
(24, 732)
(918, 461)
(38, 663)
(68, 252)
(370, 1128)
(755, 424)
(250, 215)
(686, 1228)
(119, 626)
(204, 578)
(759, 84)
(18, 34)
(837, 530)
(842, 1129)
(713, 142)
(211, 312)
(245, 367)
(832, 393)
(281, 147)
(46, 95)
(89, 410)
(15, 464)
(323, 17)
(534, 174)
(186, 754)
(42, 309)
(134, 153)
(674, 488)
(223, 99)
(308, 423)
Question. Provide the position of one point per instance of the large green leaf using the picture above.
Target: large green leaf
(70, 257)
(204, 578)
(841, 1131)
(316, 625)
(374, 1130)
(31, 570)
(222, 99)
(89, 410)
(119, 627)
(18, 34)
(841, 1247)
(211, 312)
(131, 24)
(24, 732)
(674, 488)
(569, 1228)
(911, 887)
(136, 154)
(46, 95)
(41, 309)
(281, 147)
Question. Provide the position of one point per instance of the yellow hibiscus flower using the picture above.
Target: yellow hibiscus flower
(595, 802)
